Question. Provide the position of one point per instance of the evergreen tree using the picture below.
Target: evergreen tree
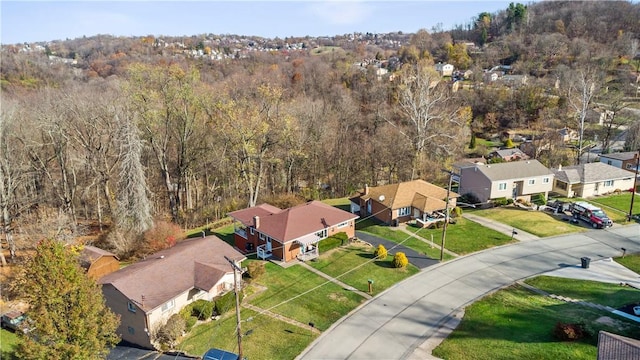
(69, 313)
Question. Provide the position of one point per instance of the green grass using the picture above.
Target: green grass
(269, 338)
(398, 236)
(299, 294)
(631, 262)
(339, 263)
(488, 143)
(517, 324)
(617, 206)
(535, 222)
(464, 237)
(596, 292)
(225, 233)
(8, 342)
(341, 203)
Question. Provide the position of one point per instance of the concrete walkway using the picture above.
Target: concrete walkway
(500, 227)
(406, 320)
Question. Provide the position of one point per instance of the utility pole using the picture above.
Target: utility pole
(237, 270)
(446, 214)
(635, 183)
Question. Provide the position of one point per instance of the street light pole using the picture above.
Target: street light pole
(446, 214)
(236, 271)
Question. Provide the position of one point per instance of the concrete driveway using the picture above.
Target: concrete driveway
(400, 322)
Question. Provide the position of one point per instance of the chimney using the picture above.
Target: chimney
(560, 167)
(256, 221)
(366, 189)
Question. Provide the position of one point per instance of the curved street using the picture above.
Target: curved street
(396, 323)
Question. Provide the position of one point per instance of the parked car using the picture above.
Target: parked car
(592, 215)
(16, 321)
(218, 354)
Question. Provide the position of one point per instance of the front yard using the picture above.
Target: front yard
(539, 223)
(517, 323)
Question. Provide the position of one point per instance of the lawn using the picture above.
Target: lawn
(400, 237)
(339, 263)
(539, 223)
(300, 294)
(8, 341)
(265, 340)
(464, 237)
(617, 206)
(631, 262)
(515, 323)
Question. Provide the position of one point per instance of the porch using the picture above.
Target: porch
(430, 219)
(308, 247)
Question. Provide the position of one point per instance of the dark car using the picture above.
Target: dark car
(217, 354)
(17, 321)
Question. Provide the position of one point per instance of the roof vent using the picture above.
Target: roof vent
(161, 257)
(381, 198)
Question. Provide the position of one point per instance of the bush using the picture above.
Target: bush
(400, 260)
(333, 242)
(568, 332)
(162, 235)
(226, 302)
(256, 269)
(456, 212)
(539, 199)
(500, 201)
(171, 331)
(509, 144)
(380, 252)
(202, 309)
(190, 322)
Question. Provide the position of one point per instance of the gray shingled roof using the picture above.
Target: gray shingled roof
(192, 263)
(590, 173)
(620, 156)
(514, 170)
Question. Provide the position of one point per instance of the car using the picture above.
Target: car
(16, 320)
(218, 354)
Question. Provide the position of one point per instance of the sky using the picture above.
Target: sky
(35, 21)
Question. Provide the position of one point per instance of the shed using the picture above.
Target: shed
(98, 262)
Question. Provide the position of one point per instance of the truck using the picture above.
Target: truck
(591, 214)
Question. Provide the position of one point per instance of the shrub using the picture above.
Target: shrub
(202, 309)
(190, 322)
(568, 332)
(162, 235)
(509, 144)
(539, 199)
(380, 252)
(500, 201)
(456, 212)
(400, 260)
(171, 331)
(256, 269)
(226, 302)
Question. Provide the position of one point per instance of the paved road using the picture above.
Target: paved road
(398, 322)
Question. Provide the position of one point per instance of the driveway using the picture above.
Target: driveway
(400, 322)
(420, 261)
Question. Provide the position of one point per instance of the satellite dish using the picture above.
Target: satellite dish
(381, 198)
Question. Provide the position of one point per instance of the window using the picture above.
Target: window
(251, 230)
(629, 166)
(322, 233)
(343, 224)
(404, 211)
(545, 180)
(532, 181)
(608, 183)
(131, 307)
(168, 305)
(561, 185)
(608, 162)
(502, 186)
(262, 236)
(131, 330)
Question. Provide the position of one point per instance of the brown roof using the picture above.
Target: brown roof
(417, 193)
(192, 263)
(90, 254)
(292, 223)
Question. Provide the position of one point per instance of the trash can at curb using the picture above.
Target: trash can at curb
(585, 262)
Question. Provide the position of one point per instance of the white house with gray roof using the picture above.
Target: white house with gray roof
(591, 179)
(511, 180)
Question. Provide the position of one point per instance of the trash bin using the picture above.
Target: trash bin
(585, 262)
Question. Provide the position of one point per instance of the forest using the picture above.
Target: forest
(136, 134)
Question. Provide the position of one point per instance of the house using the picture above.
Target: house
(511, 180)
(590, 179)
(509, 155)
(289, 234)
(565, 134)
(444, 69)
(401, 202)
(145, 294)
(623, 160)
(97, 262)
